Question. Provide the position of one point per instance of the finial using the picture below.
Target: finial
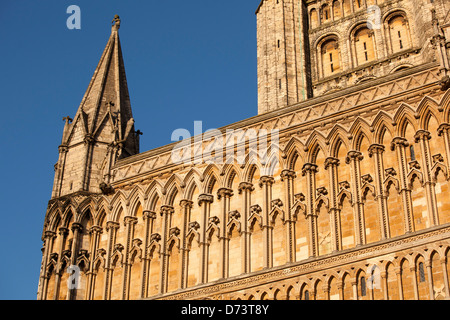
(116, 23)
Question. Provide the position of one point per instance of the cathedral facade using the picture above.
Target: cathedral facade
(345, 199)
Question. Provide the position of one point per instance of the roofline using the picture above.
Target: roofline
(260, 4)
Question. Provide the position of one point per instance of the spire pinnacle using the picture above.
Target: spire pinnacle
(116, 23)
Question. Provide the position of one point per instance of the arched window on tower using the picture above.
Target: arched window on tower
(330, 57)
(398, 32)
(337, 10)
(364, 46)
(326, 14)
(313, 19)
(346, 7)
(358, 4)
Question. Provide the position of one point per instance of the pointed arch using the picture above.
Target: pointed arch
(118, 202)
(316, 141)
(212, 176)
(53, 219)
(444, 105)
(428, 107)
(382, 123)
(338, 136)
(404, 115)
(360, 128)
(135, 199)
(68, 215)
(152, 194)
(272, 165)
(293, 152)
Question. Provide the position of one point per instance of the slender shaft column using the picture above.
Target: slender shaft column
(376, 152)
(245, 189)
(416, 288)
(309, 170)
(95, 232)
(149, 218)
(444, 269)
(130, 222)
(340, 287)
(204, 201)
(186, 206)
(288, 176)
(63, 232)
(400, 144)
(332, 164)
(89, 142)
(111, 228)
(326, 291)
(60, 170)
(354, 158)
(399, 272)
(224, 194)
(422, 137)
(48, 247)
(76, 229)
(384, 282)
(443, 131)
(266, 184)
(430, 279)
(166, 213)
(355, 289)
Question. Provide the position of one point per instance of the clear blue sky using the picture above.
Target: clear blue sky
(185, 61)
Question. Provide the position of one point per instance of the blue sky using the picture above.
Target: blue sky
(186, 61)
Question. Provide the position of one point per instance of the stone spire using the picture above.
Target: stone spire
(102, 130)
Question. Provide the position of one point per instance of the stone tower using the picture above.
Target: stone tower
(307, 48)
(102, 130)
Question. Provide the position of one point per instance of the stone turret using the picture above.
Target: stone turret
(102, 131)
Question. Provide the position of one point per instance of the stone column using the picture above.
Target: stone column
(129, 222)
(416, 288)
(60, 170)
(384, 281)
(204, 201)
(63, 232)
(166, 213)
(332, 164)
(111, 228)
(354, 158)
(224, 194)
(376, 152)
(444, 269)
(266, 184)
(95, 231)
(309, 170)
(400, 144)
(149, 218)
(398, 272)
(245, 188)
(430, 279)
(48, 246)
(76, 229)
(89, 142)
(288, 176)
(443, 131)
(186, 206)
(355, 289)
(422, 137)
(340, 287)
